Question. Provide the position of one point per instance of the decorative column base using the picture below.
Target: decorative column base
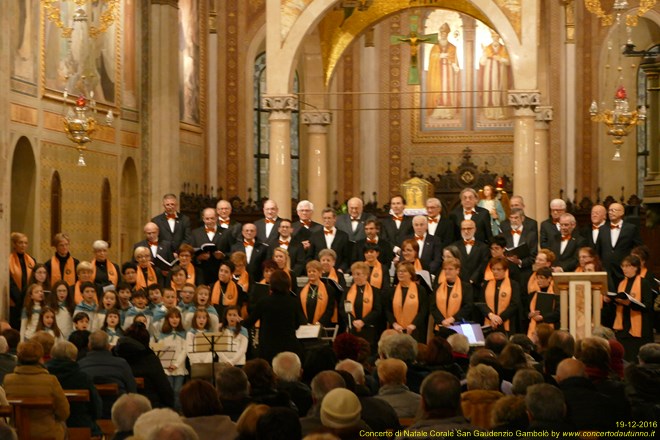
(317, 164)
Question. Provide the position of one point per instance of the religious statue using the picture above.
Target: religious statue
(494, 75)
(442, 78)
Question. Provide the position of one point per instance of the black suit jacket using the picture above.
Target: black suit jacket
(165, 250)
(211, 266)
(261, 229)
(296, 254)
(548, 231)
(181, 234)
(568, 261)
(529, 236)
(445, 231)
(473, 265)
(431, 258)
(395, 235)
(259, 255)
(344, 224)
(467, 301)
(386, 251)
(586, 232)
(481, 218)
(340, 245)
(528, 223)
(302, 233)
(230, 235)
(611, 256)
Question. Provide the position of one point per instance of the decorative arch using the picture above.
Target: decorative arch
(129, 214)
(23, 188)
(55, 204)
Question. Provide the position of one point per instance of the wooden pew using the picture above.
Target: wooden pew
(78, 396)
(22, 407)
(107, 390)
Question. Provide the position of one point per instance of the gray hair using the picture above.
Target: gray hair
(305, 204)
(286, 366)
(173, 430)
(152, 421)
(354, 368)
(4, 346)
(100, 244)
(324, 382)
(400, 346)
(459, 343)
(99, 341)
(545, 402)
(649, 353)
(127, 409)
(64, 350)
(483, 377)
(559, 203)
(524, 378)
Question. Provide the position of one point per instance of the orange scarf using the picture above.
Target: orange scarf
(244, 281)
(635, 315)
(532, 307)
(367, 299)
(190, 274)
(321, 301)
(442, 278)
(112, 273)
(449, 309)
(418, 265)
(69, 271)
(405, 313)
(488, 273)
(15, 268)
(376, 277)
(141, 283)
(333, 275)
(505, 298)
(230, 297)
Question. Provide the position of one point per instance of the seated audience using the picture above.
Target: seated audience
(7, 361)
(523, 379)
(279, 424)
(233, 390)
(393, 389)
(546, 408)
(126, 410)
(152, 421)
(321, 385)
(483, 385)
(460, 347)
(262, 385)
(31, 379)
(404, 347)
(201, 408)
(509, 414)
(643, 383)
(288, 371)
(341, 414)
(246, 426)
(64, 366)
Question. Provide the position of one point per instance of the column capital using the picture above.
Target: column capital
(316, 117)
(524, 101)
(280, 103)
(544, 115)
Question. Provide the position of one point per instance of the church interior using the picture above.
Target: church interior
(337, 91)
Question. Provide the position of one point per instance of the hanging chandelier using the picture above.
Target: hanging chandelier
(607, 19)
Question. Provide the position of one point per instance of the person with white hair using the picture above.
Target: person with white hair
(566, 246)
(126, 410)
(7, 361)
(468, 210)
(305, 226)
(353, 222)
(154, 420)
(105, 272)
(550, 226)
(288, 370)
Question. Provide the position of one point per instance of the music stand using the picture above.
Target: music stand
(211, 343)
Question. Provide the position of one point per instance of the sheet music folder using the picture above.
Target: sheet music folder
(309, 331)
(209, 342)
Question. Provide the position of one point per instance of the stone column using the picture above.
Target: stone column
(524, 102)
(652, 183)
(279, 151)
(541, 167)
(163, 102)
(212, 96)
(369, 119)
(5, 178)
(571, 117)
(317, 165)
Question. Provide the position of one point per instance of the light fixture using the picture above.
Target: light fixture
(79, 118)
(607, 19)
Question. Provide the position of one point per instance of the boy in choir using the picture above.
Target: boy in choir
(140, 303)
(157, 309)
(169, 297)
(88, 303)
(80, 334)
(187, 305)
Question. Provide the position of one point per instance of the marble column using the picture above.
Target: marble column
(652, 183)
(279, 150)
(542, 167)
(524, 180)
(317, 159)
(5, 178)
(163, 102)
(368, 179)
(212, 97)
(570, 104)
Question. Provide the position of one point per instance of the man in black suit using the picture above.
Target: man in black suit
(516, 233)
(285, 240)
(173, 226)
(226, 225)
(209, 261)
(517, 202)
(385, 247)
(267, 226)
(255, 250)
(439, 225)
(615, 241)
(305, 226)
(162, 251)
(468, 210)
(474, 255)
(330, 238)
(567, 246)
(398, 225)
(550, 226)
(430, 246)
(353, 222)
(592, 231)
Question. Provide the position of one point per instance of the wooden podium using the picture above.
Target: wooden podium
(580, 300)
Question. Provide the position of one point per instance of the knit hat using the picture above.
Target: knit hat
(616, 357)
(340, 408)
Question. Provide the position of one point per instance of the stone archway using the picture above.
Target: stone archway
(23, 190)
(129, 214)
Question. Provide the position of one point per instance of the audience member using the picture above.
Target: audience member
(523, 379)
(509, 414)
(288, 371)
(7, 361)
(321, 385)
(125, 411)
(246, 426)
(460, 346)
(153, 420)
(234, 391)
(483, 391)
(393, 389)
(341, 414)
(6, 431)
(279, 424)
(643, 383)
(201, 408)
(262, 385)
(404, 347)
(546, 408)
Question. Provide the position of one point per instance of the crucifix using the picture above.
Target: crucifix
(414, 40)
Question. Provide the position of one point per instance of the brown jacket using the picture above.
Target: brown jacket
(35, 381)
(477, 406)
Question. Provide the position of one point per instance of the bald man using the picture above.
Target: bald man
(616, 239)
(211, 236)
(353, 222)
(591, 231)
(586, 408)
(267, 227)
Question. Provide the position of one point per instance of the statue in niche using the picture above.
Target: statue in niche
(494, 73)
(442, 82)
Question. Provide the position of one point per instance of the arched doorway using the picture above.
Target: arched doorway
(23, 190)
(129, 220)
